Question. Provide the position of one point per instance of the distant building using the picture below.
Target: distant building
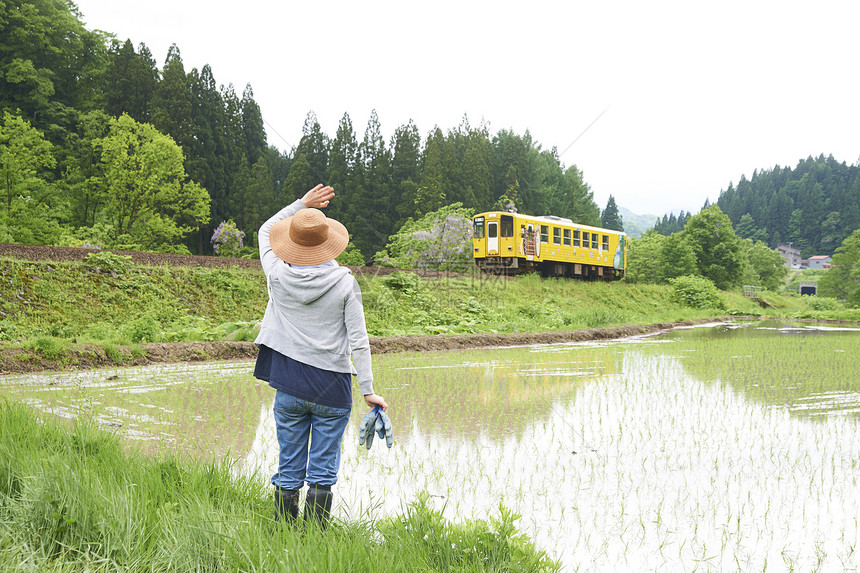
(819, 262)
(790, 254)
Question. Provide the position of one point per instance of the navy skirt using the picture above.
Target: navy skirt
(302, 380)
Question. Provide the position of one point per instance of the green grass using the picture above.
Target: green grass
(72, 499)
(118, 303)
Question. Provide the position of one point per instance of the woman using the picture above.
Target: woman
(314, 324)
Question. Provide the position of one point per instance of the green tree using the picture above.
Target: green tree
(510, 198)
(610, 219)
(810, 202)
(300, 177)
(746, 228)
(373, 225)
(842, 280)
(252, 125)
(172, 104)
(208, 158)
(717, 247)
(676, 258)
(259, 197)
(431, 193)
(405, 172)
(315, 147)
(130, 81)
(341, 171)
(25, 160)
(797, 234)
(575, 199)
(49, 63)
(779, 212)
(546, 177)
(237, 171)
(767, 264)
(511, 168)
(146, 194)
(832, 232)
(643, 258)
(82, 170)
(476, 168)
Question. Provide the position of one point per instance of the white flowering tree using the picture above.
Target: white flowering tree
(440, 240)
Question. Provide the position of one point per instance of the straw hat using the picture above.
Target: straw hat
(308, 238)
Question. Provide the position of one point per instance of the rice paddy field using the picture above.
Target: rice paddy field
(729, 447)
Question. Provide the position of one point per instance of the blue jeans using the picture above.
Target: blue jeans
(297, 422)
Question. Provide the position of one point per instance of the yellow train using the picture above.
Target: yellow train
(511, 243)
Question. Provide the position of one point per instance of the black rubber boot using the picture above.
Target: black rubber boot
(286, 504)
(318, 504)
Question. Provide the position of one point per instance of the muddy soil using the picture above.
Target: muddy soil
(71, 254)
(83, 357)
(93, 356)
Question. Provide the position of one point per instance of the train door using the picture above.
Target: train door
(492, 237)
(531, 242)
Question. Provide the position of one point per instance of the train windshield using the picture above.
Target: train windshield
(478, 232)
(507, 226)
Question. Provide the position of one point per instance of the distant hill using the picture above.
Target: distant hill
(636, 225)
(814, 205)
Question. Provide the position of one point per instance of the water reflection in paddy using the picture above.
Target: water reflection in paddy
(702, 449)
(202, 409)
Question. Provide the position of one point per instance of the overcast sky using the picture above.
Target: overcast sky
(681, 97)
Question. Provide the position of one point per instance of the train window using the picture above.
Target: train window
(567, 237)
(585, 239)
(478, 232)
(593, 240)
(605, 242)
(576, 238)
(492, 231)
(556, 236)
(507, 227)
(544, 234)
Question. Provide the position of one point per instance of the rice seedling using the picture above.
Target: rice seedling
(710, 449)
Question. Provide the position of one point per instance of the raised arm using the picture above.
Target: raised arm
(318, 197)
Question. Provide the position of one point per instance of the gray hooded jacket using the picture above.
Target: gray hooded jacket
(314, 315)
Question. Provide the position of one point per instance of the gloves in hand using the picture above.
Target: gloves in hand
(366, 428)
(383, 428)
(375, 422)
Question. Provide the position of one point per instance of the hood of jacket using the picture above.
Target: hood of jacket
(306, 285)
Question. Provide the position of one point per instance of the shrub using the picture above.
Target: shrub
(227, 239)
(110, 262)
(48, 346)
(351, 256)
(403, 282)
(695, 292)
(145, 328)
(822, 303)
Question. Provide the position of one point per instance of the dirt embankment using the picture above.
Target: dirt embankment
(83, 357)
(72, 254)
(93, 356)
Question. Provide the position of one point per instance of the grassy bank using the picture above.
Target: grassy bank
(72, 500)
(110, 302)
